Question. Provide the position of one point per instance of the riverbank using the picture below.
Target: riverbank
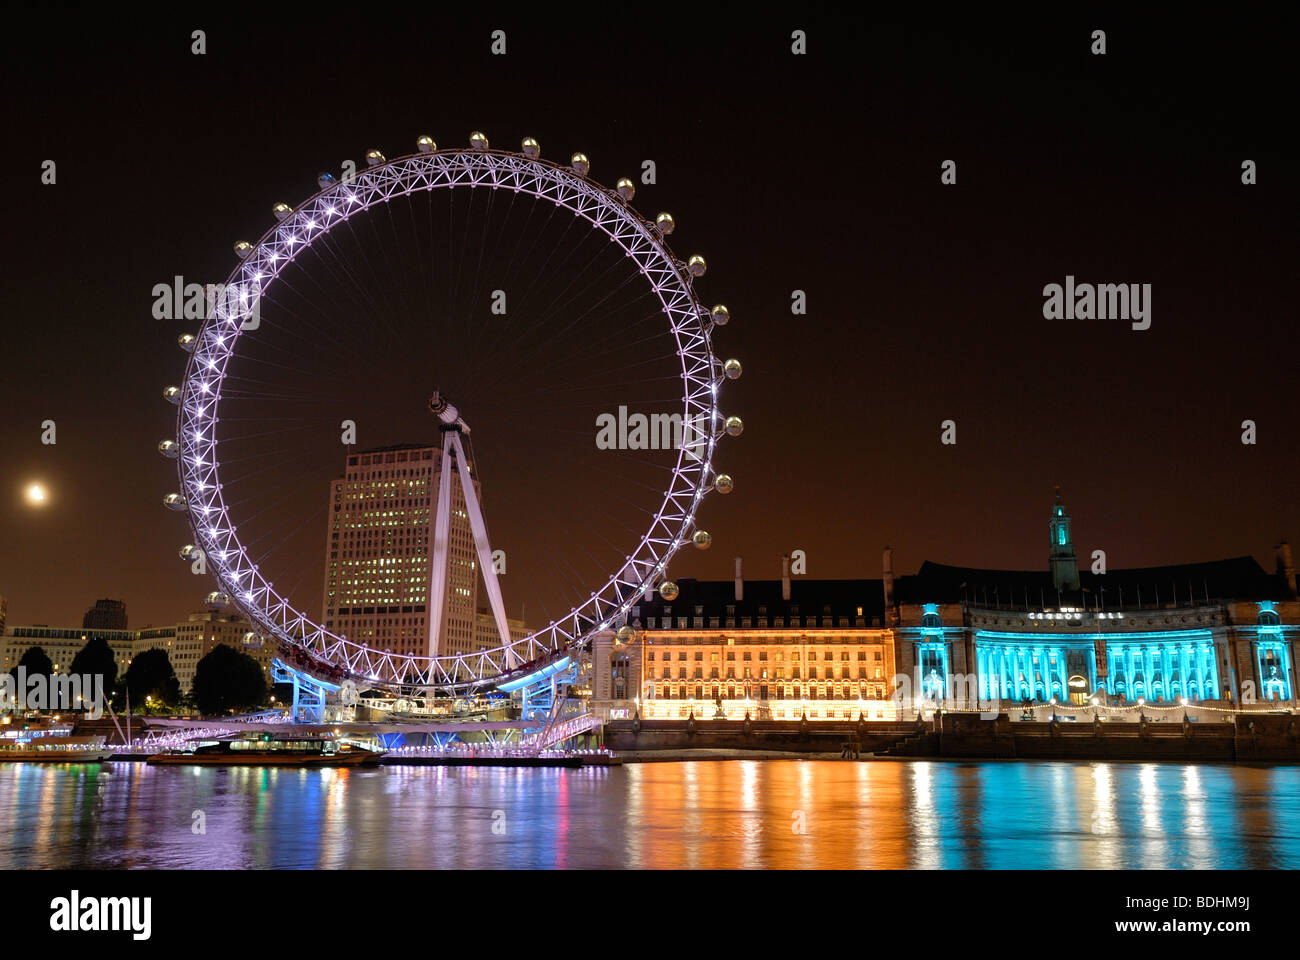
(707, 753)
(1257, 738)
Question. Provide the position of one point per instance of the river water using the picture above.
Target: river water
(696, 814)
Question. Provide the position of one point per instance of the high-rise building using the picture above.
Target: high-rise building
(377, 553)
(486, 636)
(202, 632)
(105, 615)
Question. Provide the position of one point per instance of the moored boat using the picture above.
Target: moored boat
(269, 750)
(50, 744)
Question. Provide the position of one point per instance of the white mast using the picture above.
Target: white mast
(454, 452)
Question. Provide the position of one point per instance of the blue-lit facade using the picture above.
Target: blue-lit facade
(1270, 648)
(1154, 666)
(1031, 666)
(934, 665)
(1223, 631)
(1164, 666)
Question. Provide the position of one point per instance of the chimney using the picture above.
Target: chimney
(887, 562)
(1286, 568)
(740, 583)
(785, 578)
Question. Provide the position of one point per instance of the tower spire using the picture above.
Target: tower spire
(1061, 558)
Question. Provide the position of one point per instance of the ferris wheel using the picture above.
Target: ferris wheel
(687, 328)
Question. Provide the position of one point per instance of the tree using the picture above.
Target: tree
(151, 675)
(36, 661)
(96, 658)
(228, 680)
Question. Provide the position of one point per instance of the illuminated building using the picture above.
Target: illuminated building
(377, 562)
(1222, 632)
(1219, 631)
(485, 630)
(196, 637)
(61, 644)
(775, 649)
(377, 566)
(185, 643)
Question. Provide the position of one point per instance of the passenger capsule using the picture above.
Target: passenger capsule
(172, 394)
(696, 266)
(478, 140)
(665, 223)
(374, 158)
(701, 539)
(731, 369)
(169, 449)
(723, 483)
(531, 148)
(426, 144)
(581, 165)
(626, 189)
(217, 599)
(187, 551)
(186, 342)
(243, 248)
(174, 501)
(281, 210)
(326, 180)
(668, 590)
(625, 633)
(734, 426)
(721, 315)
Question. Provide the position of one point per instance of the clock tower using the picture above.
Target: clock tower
(1064, 563)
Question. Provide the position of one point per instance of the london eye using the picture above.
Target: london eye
(680, 327)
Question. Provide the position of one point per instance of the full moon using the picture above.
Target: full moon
(36, 495)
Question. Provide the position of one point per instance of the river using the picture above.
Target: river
(693, 815)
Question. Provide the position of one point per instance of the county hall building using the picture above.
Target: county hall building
(1219, 633)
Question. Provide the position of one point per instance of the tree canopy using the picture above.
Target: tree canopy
(227, 680)
(97, 659)
(151, 675)
(36, 661)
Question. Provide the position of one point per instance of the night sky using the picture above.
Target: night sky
(818, 172)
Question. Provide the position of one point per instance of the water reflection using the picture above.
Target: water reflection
(698, 815)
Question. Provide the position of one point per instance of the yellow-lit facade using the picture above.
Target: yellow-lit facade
(769, 650)
(773, 673)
